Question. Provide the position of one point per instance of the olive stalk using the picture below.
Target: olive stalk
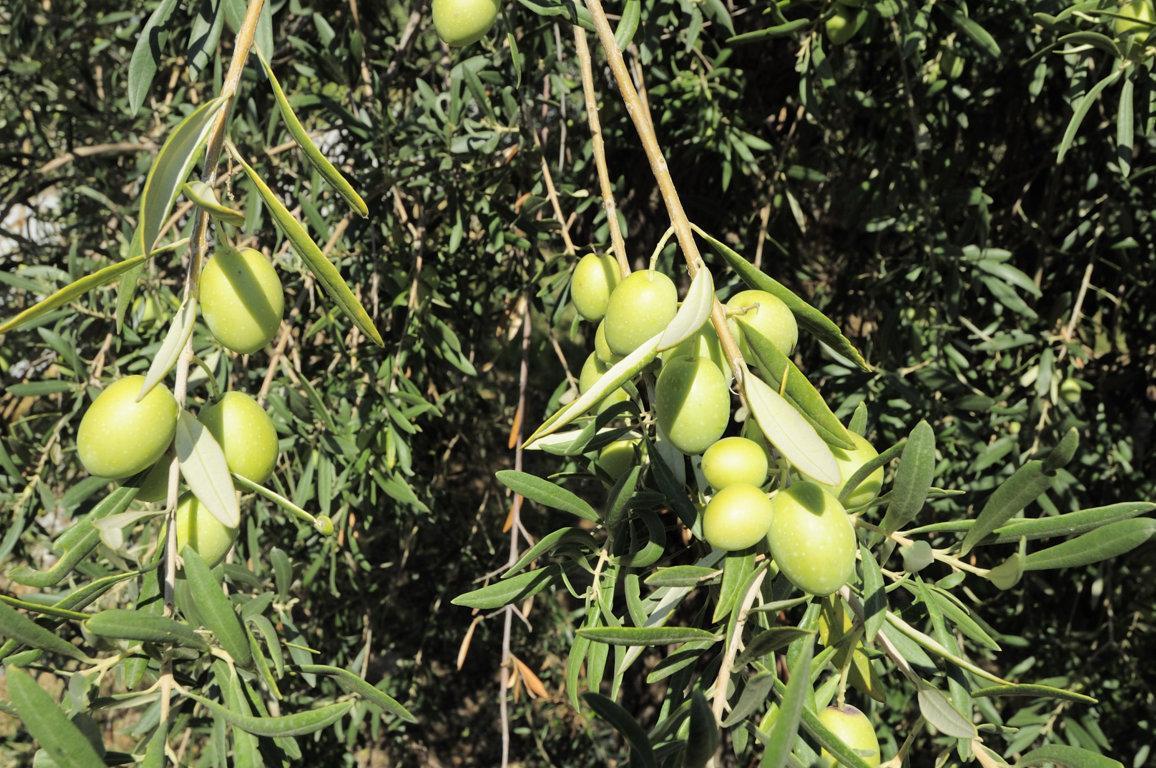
(639, 115)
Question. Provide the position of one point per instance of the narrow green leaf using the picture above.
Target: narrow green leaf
(694, 312)
(16, 626)
(547, 494)
(327, 170)
(72, 291)
(681, 576)
(1125, 126)
(508, 590)
(627, 23)
(874, 594)
(1008, 573)
(769, 641)
(1082, 106)
(326, 273)
(1063, 756)
(791, 434)
(323, 524)
(779, 30)
(1033, 690)
(810, 318)
(215, 608)
(799, 391)
(702, 732)
(940, 713)
(547, 544)
(737, 568)
(1069, 524)
(154, 756)
(1103, 543)
(1019, 490)
(169, 352)
(754, 696)
(206, 199)
(645, 635)
(1063, 452)
(128, 624)
(781, 740)
(641, 751)
(362, 688)
(142, 67)
(912, 478)
(48, 724)
(297, 724)
(869, 466)
(978, 34)
(203, 466)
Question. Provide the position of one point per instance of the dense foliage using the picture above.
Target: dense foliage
(925, 184)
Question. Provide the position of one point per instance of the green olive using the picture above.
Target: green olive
(692, 403)
(594, 278)
(641, 306)
(733, 461)
(1071, 391)
(768, 315)
(705, 343)
(463, 22)
(849, 462)
(241, 299)
(119, 437)
(737, 517)
(154, 486)
(592, 370)
(812, 538)
(1138, 11)
(601, 349)
(617, 458)
(853, 729)
(843, 24)
(197, 528)
(245, 433)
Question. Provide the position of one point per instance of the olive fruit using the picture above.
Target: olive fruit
(692, 403)
(849, 462)
(812, 538)
(241, 299)
(843, 24)
(765, 313)
(154, 486)
(592, 370)
(594, 278)
(463, 22)
(1070, 391)
(853, 729)
(245, 433)
(1138, 9)
(617, 458)
(119, 437)
(601, 348)
(737, 517)
(199, 529)
(642, 305)
(734, 461)
(705, 343)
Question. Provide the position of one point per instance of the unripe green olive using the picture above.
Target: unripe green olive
(768, 315)
(812, 538)
(601, 349)
(241, 299)
(197, 528)
(1071, 391)
(592, 370)
(843, 24)
(1130, 27)
(737, 517)
(692, 403)
(617, 458)
(642, 305)
(245, 433)
(155, 484)
(853, 729)
(119, 437)
(734, 461)
(705, 343)
(594, 278)
(463, 22)
(849, 462)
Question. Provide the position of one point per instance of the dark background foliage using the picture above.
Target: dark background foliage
(928, 215)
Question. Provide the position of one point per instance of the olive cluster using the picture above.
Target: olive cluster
(128, 431)
(805, 527)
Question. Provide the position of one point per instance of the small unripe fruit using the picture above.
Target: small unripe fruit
(692, 403)
(768, 315)
(617, 458)
(119, 437)
(705, 343)
(1071, 391)
(463, 22)
(849, 462)
(594, 278)
(737, 517)
(601, 349)
(241, 299)
(734, 461)
(812, 538)
(853, 729)
(1130, 27)
(843, 25)
(245, 433)
(197, 528)
(642, 305)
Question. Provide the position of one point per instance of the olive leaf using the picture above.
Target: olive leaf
(1015, 493)
(645, 635)
(327, 170)
(791, 434)
(370, 693)
(1032, 690)
(327, 274)
(72, 291)
(48, 724)
(693, 314)
(204, 468)
(781, 740)
(169, 352)
(507, 590)
(1063, 756)
(941, 714)
(1070, 523)
(129, 624)
(296, 724)
(142, 67)
(206, 199)
(613, 713)
(1103, 543)
(912, 478)
(16, 626)
(215, 608)
(702, 734)
(546, 493)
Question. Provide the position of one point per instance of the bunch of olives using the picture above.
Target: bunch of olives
(802, 524)
(124, 436)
